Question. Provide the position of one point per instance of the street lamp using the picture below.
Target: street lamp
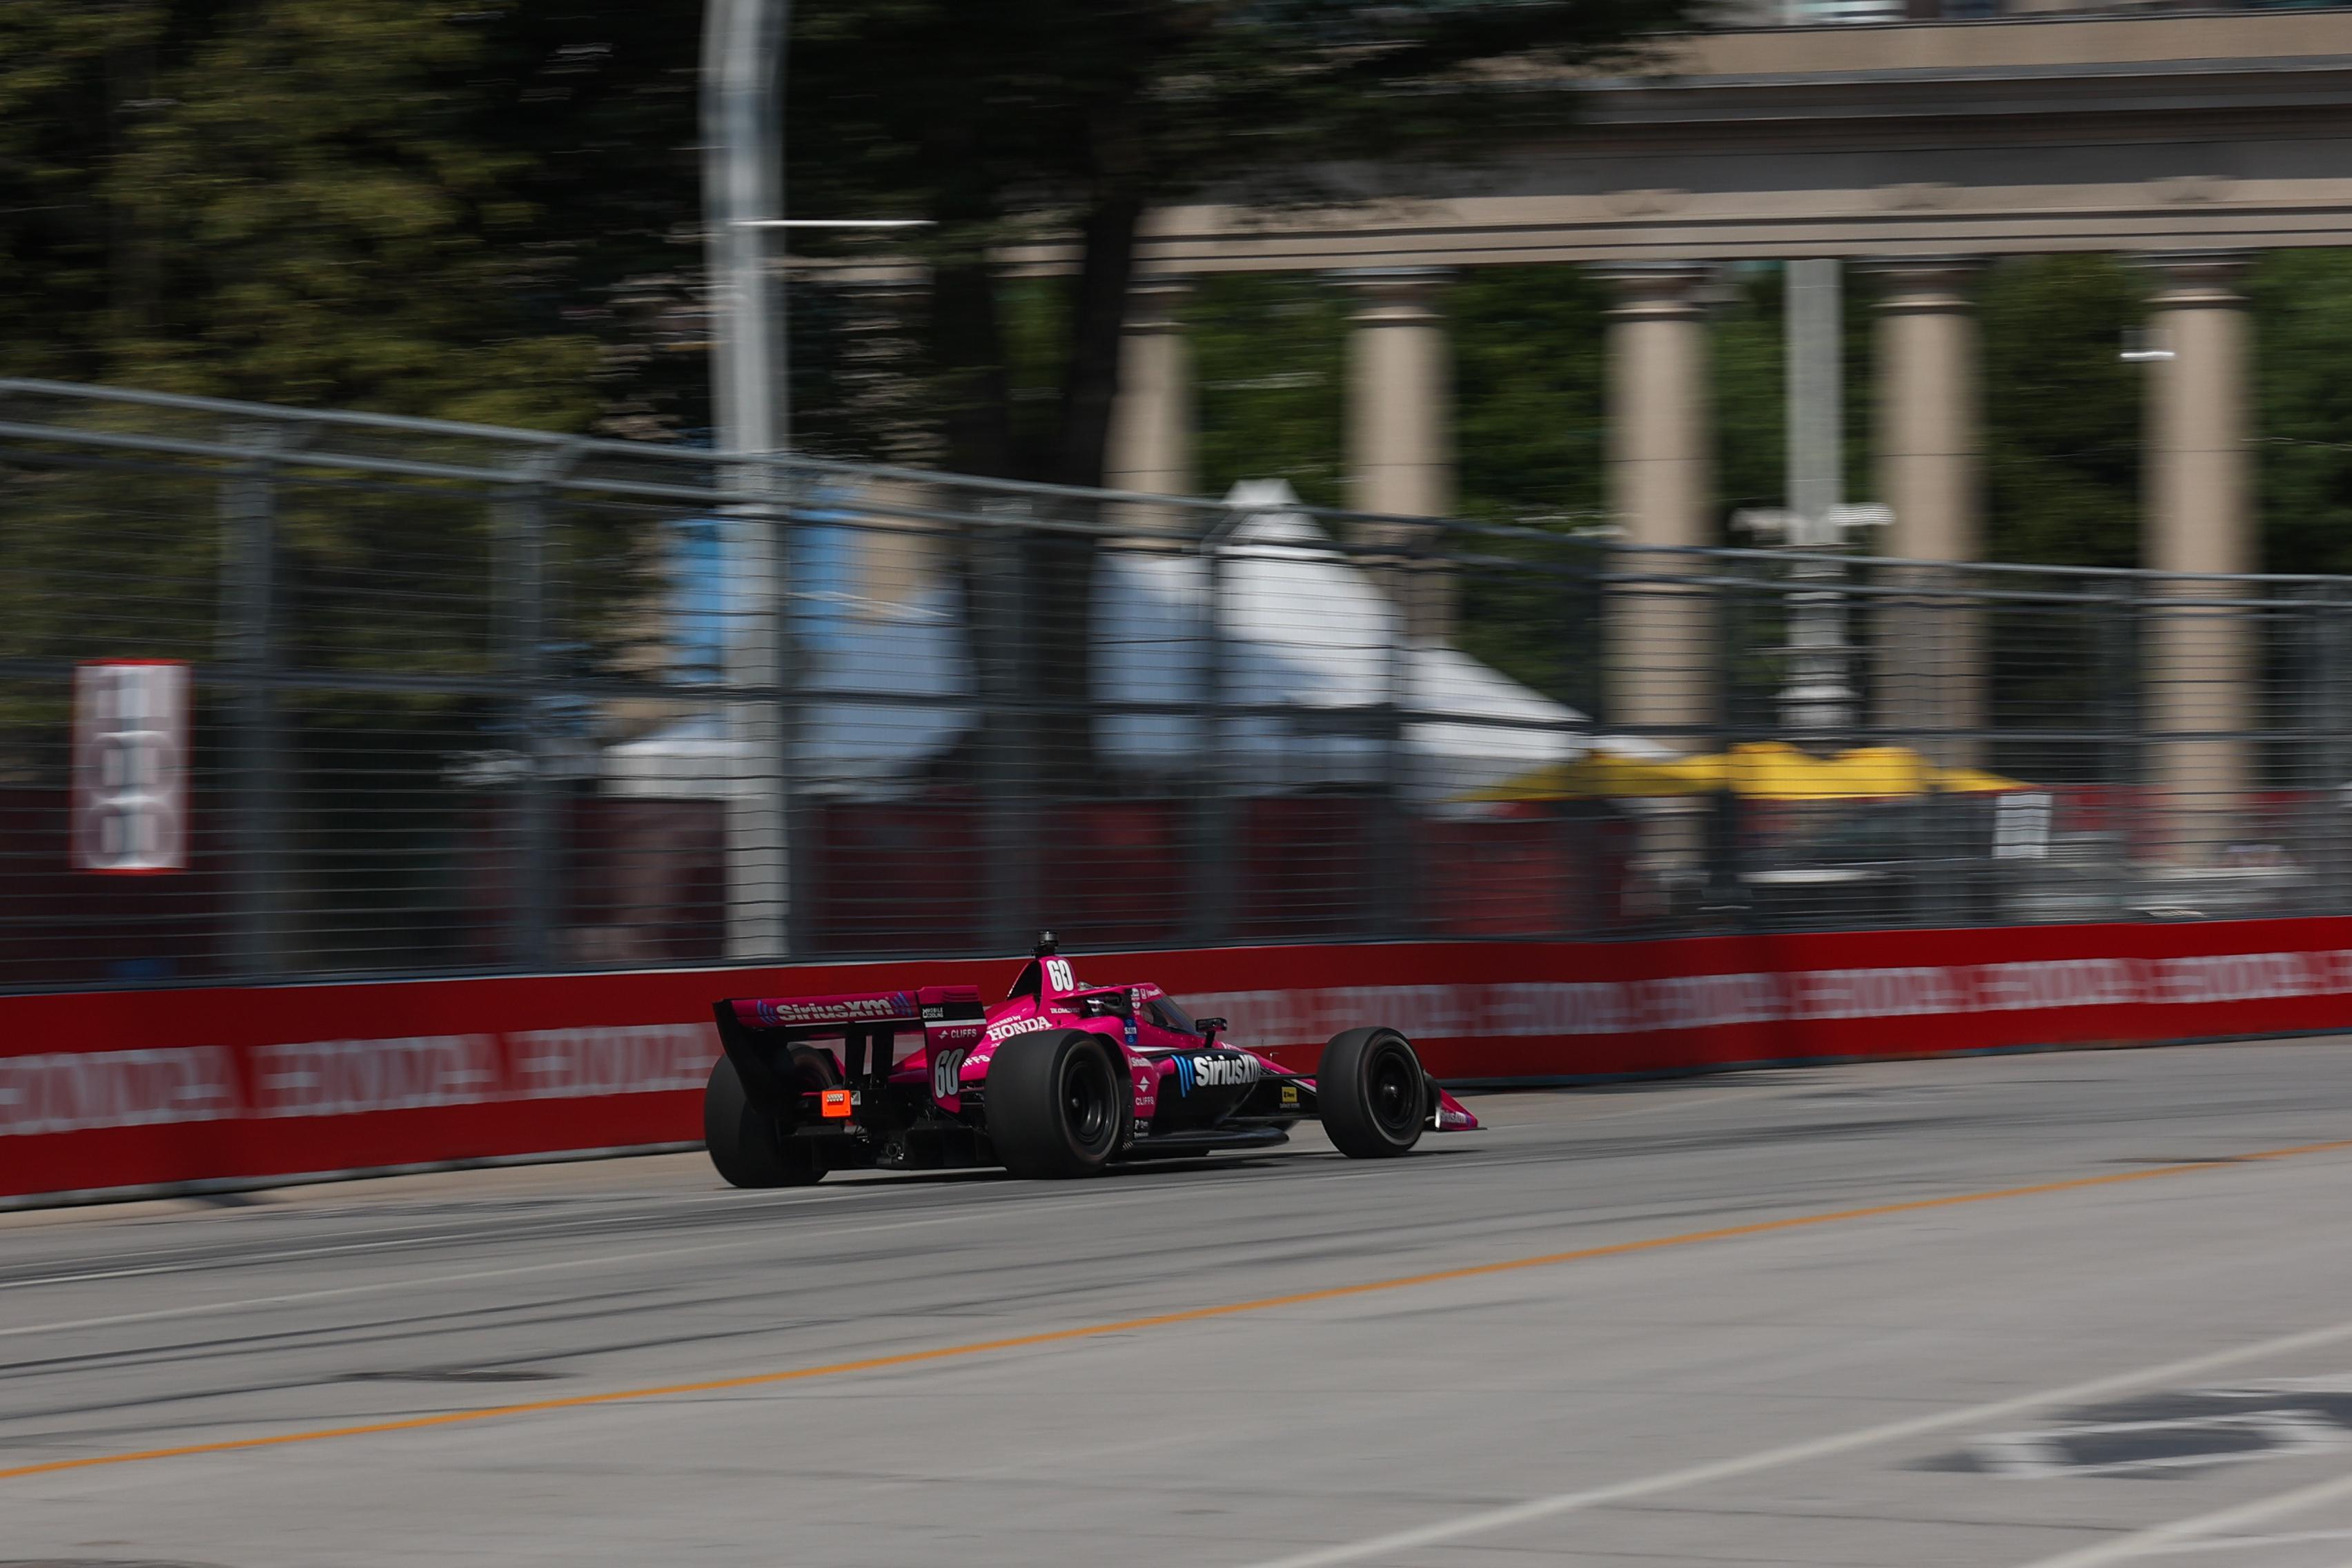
(742, 199)
(742, 196)
(1818, 700)
(742, 189)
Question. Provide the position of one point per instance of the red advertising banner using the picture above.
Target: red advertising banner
(107, 1091)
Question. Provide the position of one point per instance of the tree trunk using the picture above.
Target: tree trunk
(975, 395)
(1062, 566)
(1098, 333)
(1045, 663)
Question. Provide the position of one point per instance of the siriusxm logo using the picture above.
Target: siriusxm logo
(784, 1011)
(1214, 1072)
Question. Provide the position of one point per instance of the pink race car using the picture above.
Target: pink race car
(1060, 1079)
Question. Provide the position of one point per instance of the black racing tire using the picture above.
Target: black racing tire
(751, 1148)
(1371, 1094)
(1057, 1106)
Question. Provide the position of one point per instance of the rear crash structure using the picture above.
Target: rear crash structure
(1060, 1079)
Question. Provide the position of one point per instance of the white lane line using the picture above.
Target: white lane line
(2245, 1543)
(2173, 1536)
(1484, 1520)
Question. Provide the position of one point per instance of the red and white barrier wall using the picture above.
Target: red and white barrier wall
(109, 1090)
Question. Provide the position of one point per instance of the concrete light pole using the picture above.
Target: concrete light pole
(742, 200)
(1816, 387)
(742, 194)
(1818, 703)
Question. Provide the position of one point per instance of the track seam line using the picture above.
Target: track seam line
(748, 1236)
(1155, 1320)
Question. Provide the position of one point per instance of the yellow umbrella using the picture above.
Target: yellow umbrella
(1974, 781)
(1755, 770)
(1771, 770)
(1603, 773)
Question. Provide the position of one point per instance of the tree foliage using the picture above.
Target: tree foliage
(420, 205)
(1529, 392)
(489, 209)
(1065, 120)
(2302, 302)
(2062, 438)
(1270, 357)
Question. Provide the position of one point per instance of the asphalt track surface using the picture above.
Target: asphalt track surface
(2061, 1309)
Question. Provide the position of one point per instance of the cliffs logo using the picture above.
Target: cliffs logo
(1214, 1072)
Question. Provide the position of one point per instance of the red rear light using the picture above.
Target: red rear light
(834, 1101)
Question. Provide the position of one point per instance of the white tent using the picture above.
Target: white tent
(879, 698)
(1309, 656)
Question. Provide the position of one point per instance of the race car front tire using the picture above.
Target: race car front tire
(750, 1148)
(1371, 1094)
(1056, 1105)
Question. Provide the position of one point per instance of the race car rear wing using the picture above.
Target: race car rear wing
(757, 1031)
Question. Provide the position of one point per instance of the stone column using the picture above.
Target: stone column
(1400, 430)
(1152, 421)
(1662, 656)
(2202, 650)
(1931, 674)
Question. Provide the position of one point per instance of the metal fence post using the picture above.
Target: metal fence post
(1003, 645)
(248, 637)
(1723, 841)
(2331, 646)
(2124, 729)
(1576, 825)
(2335, 678)
(1213, 850)
(1393, 853)
(520, 514)
(758, 849)
(800, 872)
(1938, 854)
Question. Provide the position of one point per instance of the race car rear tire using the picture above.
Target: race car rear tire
(1371, 1094)
(751, 1148)
(1057, 1106)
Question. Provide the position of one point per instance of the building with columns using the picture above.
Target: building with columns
(1917, 150)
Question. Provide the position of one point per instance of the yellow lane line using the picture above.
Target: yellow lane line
(1157, 1320)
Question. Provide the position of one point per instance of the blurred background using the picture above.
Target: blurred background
(658, 485)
